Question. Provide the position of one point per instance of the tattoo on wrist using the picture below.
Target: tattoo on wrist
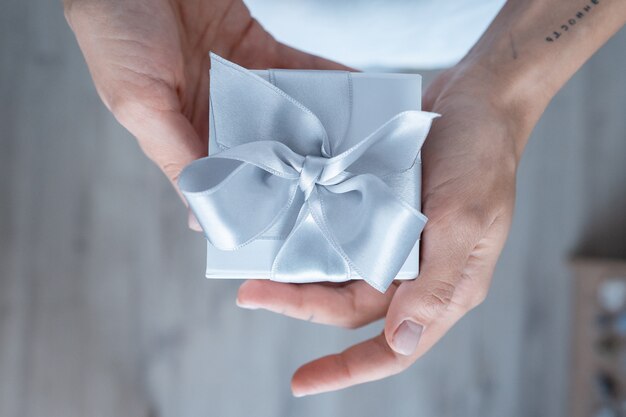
(569, 24)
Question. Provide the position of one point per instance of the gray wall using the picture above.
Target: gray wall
(104, 311)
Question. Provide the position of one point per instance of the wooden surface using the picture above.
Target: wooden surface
(104, 311)
(588, 361)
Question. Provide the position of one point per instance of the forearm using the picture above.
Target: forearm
(534, 46)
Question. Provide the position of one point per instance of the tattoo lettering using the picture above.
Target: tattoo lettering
(569, 24)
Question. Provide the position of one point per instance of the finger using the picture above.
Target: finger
(351, 305)
(367, 361)
(456, 274)
(259, 49)
(433, 91)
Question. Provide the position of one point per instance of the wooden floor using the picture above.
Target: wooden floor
(104, 311)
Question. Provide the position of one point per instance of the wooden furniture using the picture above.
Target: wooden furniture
(598, 382)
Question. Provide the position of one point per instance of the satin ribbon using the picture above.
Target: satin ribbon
(277, 159)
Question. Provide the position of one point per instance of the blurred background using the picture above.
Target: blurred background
(104, 310)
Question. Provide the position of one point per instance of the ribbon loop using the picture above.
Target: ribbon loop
(349, 221)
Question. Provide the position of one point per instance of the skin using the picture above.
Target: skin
(148, 59)
(150, 65)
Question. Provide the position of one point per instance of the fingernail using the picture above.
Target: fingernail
(407, 337)
(298, 394)
(246, 306)
(193, 223)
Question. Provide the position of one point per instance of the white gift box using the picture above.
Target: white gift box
(374, 99)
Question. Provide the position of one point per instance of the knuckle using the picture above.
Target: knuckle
(125, 108)
(462, 226)
(67, 11)
(172, 170)
(138, 99)
(342, 365)
(72, 10)
(435, 299)
(478, 293)
(355, 319)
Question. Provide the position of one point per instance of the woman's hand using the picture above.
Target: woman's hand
(150, 64)
(489, 103)
(469, 160)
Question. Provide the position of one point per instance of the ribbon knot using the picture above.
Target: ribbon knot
(310, 173)
(337, 223)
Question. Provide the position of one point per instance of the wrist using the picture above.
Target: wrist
(516, 85)
(533, 47)
(508, 99)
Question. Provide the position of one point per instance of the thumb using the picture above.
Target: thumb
(165, 136)
(422, 310)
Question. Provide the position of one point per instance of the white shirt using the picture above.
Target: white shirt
(420, 34)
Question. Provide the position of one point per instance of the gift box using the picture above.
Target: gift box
(311, 175)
